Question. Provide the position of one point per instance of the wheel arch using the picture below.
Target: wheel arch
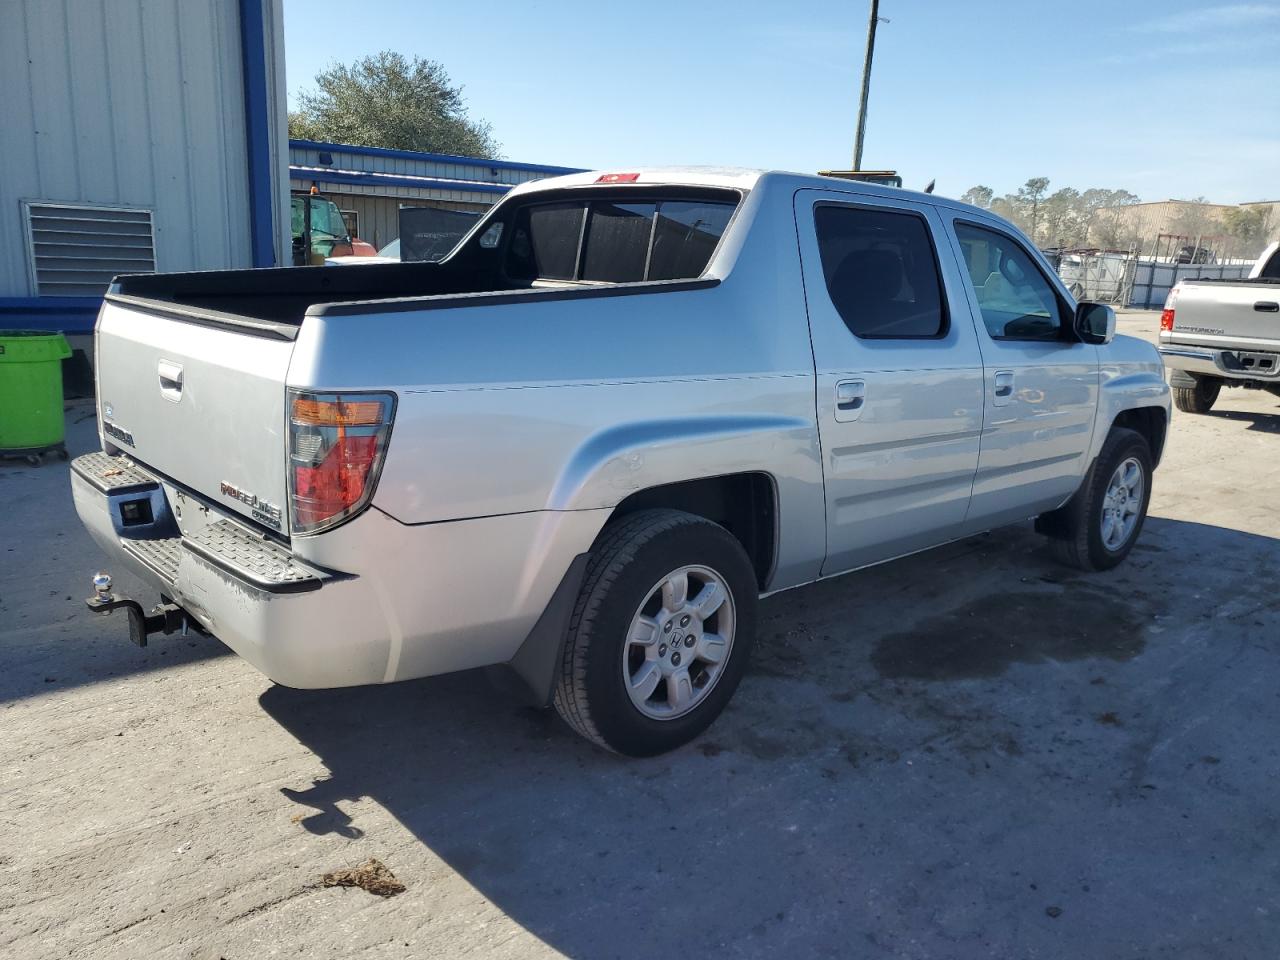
(1151, 422)
(744, 503)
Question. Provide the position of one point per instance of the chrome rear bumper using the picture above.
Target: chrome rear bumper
(1226, 364)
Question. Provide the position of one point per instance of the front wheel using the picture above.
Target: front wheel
(660, 635)
(1098, 527)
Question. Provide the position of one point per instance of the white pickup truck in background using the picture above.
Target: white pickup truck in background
(1223, 333)
(583, 444)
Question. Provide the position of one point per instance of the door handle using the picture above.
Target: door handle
(1267, 306)
(850, 394)
(170, 380)
(1003, 386)
(850, 397)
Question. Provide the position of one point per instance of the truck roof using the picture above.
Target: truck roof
(740, 178)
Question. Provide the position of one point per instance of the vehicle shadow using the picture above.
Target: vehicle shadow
(1266, 422)
(867, 789)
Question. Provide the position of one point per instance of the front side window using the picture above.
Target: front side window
(881, 272)
(1016, 300)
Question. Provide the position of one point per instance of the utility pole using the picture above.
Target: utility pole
(866, 84)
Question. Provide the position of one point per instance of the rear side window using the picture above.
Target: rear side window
(881, 272)
(617, 247)
(544, 244)
(615, 241)
(685, 236)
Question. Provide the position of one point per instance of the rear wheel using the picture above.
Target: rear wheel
(1098, 527)
(660, 635)
(1197, 399)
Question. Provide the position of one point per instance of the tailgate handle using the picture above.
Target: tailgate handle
(170, 380)
(1267, 306)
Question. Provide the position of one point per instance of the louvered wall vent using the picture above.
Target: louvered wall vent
(76, 250)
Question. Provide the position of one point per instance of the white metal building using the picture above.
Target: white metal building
(140, 135)
(370, 184)
(135, 135)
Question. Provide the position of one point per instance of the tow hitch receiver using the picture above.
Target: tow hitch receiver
(164, 617)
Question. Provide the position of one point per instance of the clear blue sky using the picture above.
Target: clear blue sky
(1167, 99)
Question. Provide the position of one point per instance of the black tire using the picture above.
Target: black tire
(1197, 399)
(629, 558)
(1075, 529)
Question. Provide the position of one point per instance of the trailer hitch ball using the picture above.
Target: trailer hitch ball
(164, 617)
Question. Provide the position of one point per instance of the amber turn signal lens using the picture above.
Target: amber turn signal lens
(337, 413)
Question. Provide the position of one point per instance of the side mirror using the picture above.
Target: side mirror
(1095, 322)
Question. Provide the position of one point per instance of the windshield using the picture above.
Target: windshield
(326, 219)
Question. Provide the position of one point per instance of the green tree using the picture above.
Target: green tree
(1067, 217)
(1061, 215)
(1108, 225)
(1027, 200)
(979, 196)
(1251, 226)
(388, 100)
(1195, 219)
(1007, 208)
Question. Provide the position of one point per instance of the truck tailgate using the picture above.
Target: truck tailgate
(202, 404)
(1241, 315)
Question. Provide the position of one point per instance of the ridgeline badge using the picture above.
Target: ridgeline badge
(263, 511)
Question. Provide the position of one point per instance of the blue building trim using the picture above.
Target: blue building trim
(74, 315)
(431, 157)
(257, 111)
(326, 175)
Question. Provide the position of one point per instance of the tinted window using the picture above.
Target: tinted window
(1016, 300)
(544, 243)
(624, 242)
(881, 272)
(617, 241)
(685, 236)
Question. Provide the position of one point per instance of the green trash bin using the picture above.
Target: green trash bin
(31, 421)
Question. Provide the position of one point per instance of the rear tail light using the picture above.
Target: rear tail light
(337, 442)
(1166, 315)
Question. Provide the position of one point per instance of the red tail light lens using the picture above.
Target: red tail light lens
(1166, 315)
(337, 442)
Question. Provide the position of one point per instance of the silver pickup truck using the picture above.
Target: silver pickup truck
(1223, 333)
(583, 444)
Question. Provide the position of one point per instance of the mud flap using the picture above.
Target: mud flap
(531, 674)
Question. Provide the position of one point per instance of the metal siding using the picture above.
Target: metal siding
(91, 100)
(380, 216)
(18, 159)
(424, 166)
(138, 103)
(278, 122)
(127, 93)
